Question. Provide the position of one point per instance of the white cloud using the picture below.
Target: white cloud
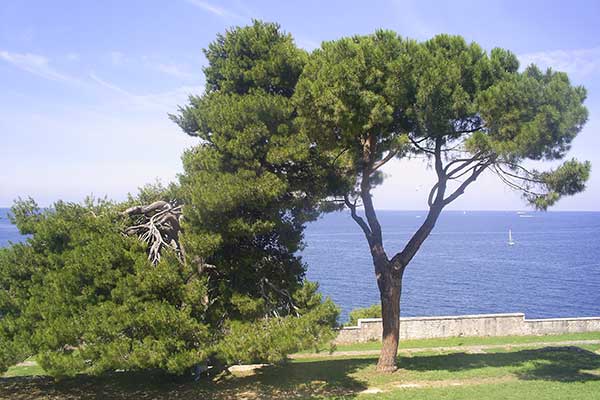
(214, 9)
(37, 65)
(580, 62)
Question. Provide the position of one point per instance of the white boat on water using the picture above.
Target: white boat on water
(510, 239)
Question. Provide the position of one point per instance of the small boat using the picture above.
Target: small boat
(510, 239)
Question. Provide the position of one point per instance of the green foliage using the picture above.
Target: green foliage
(532, 114)
(84, 298)
(273, 338)
(345, 92)
(567, 179)
(248, 190)
(256, 56)
(373, 311)
(446, 92)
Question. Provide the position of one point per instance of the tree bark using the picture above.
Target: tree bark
(390, 289)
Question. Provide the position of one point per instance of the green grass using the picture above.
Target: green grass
(25, 370)
(567, 372)
(501, 391)
(463, 341)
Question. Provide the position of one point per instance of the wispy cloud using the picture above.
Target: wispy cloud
(37, 65)
(580, 62)
(216, 10)
(161, 101)
(117, 58)
(413, 23)
(176, 71)
(307, 44)
(73, 56)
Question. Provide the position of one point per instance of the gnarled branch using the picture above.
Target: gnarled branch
(158, 225)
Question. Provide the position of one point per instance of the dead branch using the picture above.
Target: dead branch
(157, 224)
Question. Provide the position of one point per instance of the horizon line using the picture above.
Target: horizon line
(425, 210)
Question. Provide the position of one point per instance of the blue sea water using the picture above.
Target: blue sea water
(465, 267)
(8, 232)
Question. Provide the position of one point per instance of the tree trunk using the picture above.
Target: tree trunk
(390, 288)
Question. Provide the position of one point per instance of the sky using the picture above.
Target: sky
(86, 86)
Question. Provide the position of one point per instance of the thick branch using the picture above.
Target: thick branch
(365, 190)
(436, 204)
(401, 259)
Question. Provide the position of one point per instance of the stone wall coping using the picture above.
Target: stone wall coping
(563, 319)
(449, 317)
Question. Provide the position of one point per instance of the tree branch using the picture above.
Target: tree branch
(357, 218)
(384, 160)
(477, 170)
(365, 190)
(418, 146)
(465, 162)
(158, 226)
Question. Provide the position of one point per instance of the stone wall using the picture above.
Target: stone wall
(369, 329)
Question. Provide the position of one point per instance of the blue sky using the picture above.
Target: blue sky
(85, 86)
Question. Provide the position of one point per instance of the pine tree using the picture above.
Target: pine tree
(377, 97)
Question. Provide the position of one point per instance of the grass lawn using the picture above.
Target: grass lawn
(553, 372)
(463, 341)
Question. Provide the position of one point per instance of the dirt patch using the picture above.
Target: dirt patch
(452, 382)
(440, 384)
(27, 364)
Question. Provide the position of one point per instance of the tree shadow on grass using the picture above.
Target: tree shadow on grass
(313, 378)
(289, 380)
(565, 364)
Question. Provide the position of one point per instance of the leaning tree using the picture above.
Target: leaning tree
(378, 97)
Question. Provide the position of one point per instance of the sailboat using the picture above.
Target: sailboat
(510, 239)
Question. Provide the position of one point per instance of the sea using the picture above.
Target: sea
(466, 266)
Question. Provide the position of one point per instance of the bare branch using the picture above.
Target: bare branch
(461, 189)
(418, 146)
(465, 162)
(524, 178)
